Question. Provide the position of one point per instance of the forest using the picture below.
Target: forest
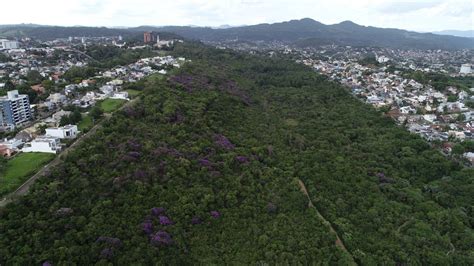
(206, 166)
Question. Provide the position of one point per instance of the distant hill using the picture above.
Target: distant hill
(54, 32)
(459, 33)
(308, 32)
(304, 32)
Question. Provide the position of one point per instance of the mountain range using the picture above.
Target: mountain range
(304, 32)
(458, 33)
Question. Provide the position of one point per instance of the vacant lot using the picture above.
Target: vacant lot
(86, 123)
(20, 168)
(110, 105)
(133, 93)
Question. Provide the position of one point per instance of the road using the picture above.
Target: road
(25, 187)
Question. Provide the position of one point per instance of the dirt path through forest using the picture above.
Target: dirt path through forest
(339, 242)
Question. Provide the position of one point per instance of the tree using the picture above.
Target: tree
(96, 112)
(34, 77)
(9, 86)
(3, 165)
(458, 149)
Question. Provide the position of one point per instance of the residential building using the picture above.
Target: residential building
(149, 37)
(123, 95)
(465, 69)
(7, 44)
(13, 144)
(65, 132)
(43, 144)
(14, 109)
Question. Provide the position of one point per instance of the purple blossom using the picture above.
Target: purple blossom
(215, 214)
(196, 220)
(106, 253)
(223, 142)
(162, 238)
(242, 159)
(134, 154)
(134, 145)
(147, 227)
(205, 162)
(156, 211)
(47, 263)
(164, 220)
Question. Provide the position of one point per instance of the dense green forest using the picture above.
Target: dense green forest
(204, 169)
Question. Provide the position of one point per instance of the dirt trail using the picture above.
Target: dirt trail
(338, 242)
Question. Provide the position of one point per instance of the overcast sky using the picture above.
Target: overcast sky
(419, 15)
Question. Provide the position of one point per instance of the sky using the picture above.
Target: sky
(417, 15)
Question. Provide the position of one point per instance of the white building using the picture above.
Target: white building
(7, 44)
(107, 89)
(43, 144)
(13, 144)
(65, 132)
(57, 98)
(465, 69)
(123, 95)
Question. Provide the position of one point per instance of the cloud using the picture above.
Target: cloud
(406, 6)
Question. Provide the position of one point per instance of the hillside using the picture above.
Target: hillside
(309, 32)
(54, 32)
(207, 167)
(459, 33)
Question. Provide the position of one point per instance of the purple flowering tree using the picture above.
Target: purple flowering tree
(215, 214)
(164, 220)
(223, 142)
(161, 238)
(147, 227)
(196, 220)
(242, 159)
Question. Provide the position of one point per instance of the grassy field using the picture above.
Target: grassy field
(20, 168)
(133, 93)
(86, 123)
(110, 105)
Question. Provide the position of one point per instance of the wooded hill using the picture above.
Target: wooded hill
(205, 169)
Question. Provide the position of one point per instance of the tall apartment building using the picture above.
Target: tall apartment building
(149, 37)
(14, 109)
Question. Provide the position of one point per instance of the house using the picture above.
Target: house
(115, 82)
(13, 144)
(24, 136)
(470, 157)
(38, 88)
(107, 89)
(65, 132)
(123, 95)
(43, 144)
(56, 117)
(6, 152)
(57, 98)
